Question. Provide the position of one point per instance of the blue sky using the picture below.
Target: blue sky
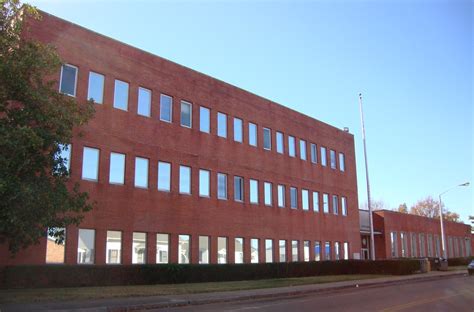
(412, 60)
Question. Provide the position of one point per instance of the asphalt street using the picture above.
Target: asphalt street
(450, 294)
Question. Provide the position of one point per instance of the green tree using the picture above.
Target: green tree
(402, 208)
(35, 121)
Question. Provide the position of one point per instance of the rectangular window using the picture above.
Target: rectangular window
(314, 153)
(344, 206)
(267, 186)
(325, 203)
(222, 186)
(113, 247)
(450, 247)
(222, 250)
(305, 199)
(346, 251)
(403, 240)
(414, 253)
(268, 251)
(222, 125)
(254, 250)
(437, 247)
(430, 245)
(291, 146)
(253, 191)
(279, 142)
(95, 90)
(281, 196)
(315, 201)
(282, 248)
(336, 251)
(162, 248)
(327, 251)
(293, 198)
(252, 134)
(335, 204)
(90, 164)
(302, 150)
(68, 80)
(323, 157)
(55, 249)
(203, 249)
(117, 168)
(204, 183)
(184, 249)
(65, 154)
(238, 136)
(139, 248)
(204, 119)
(164, 176)
(239, 250)
(333, 159)
(393, 244)
(294, 250)
(166, 108)
(306, 251)
(342, 162)
(184, 180)
(317, 251)
(239, 189)
(422, 245)
(121, 95)
(144, 102)
(186, 114)
(141, 172)
(267, 139)
(86, 246)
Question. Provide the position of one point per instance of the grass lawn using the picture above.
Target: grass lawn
(458, 268)
(81, 293)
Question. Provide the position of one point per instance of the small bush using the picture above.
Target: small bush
(108, 275)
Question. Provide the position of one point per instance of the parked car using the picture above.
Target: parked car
(470, 268)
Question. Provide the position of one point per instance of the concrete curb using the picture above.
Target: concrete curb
(277, 292)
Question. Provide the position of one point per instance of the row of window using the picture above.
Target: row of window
(90, 171)
(421, 245)
(113, 249)
(68, 82)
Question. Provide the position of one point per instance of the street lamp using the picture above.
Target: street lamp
(443, 242)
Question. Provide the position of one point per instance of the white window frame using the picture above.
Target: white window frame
(162, 95)
(269, 131)
(75, 79)
(267, 187)
(253, 197)
(303, 151)
(186, 103)
(280, 146)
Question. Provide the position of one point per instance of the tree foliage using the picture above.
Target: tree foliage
(429, 207)
(402, 208)
(35, 121)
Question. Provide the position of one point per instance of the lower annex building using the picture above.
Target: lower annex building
(185, 168)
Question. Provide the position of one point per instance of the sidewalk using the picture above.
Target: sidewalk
(157, 302)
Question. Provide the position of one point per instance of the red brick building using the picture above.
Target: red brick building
(189, 169)
(401, 235)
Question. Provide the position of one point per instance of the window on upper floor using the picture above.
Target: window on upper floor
(253, 191)
(222, 186)
(164, 176)
(325, 203)
(267, 139)
(252, 134)
(68, 80)
(293, 198)
(302, 149)
(333, 159)
(267, 187)
(315, 201)
(144, 102)
(239, 189)
(186, 114)
(117, 168)
(184, 180)
(238, 136)
(344, 206)
(281, 196)
(65, 154)
(279, 142)
(121, 95)
(204, 119)
(305, 199)
(291, 146)
(314, 153)
(141, 172)
(166, 108)
(335, 204)
(342, 162)
(90, 164)
(324, 161)
(222, 125)
(95, 90)
(204, 183)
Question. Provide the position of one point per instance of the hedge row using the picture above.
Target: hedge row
(108, 275)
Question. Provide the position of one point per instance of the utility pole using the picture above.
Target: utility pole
(372, 245)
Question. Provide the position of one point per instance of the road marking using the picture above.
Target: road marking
(424, 301)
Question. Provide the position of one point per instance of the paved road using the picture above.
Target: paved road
(450, 294)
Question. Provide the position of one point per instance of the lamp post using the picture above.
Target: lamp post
(443, 242)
